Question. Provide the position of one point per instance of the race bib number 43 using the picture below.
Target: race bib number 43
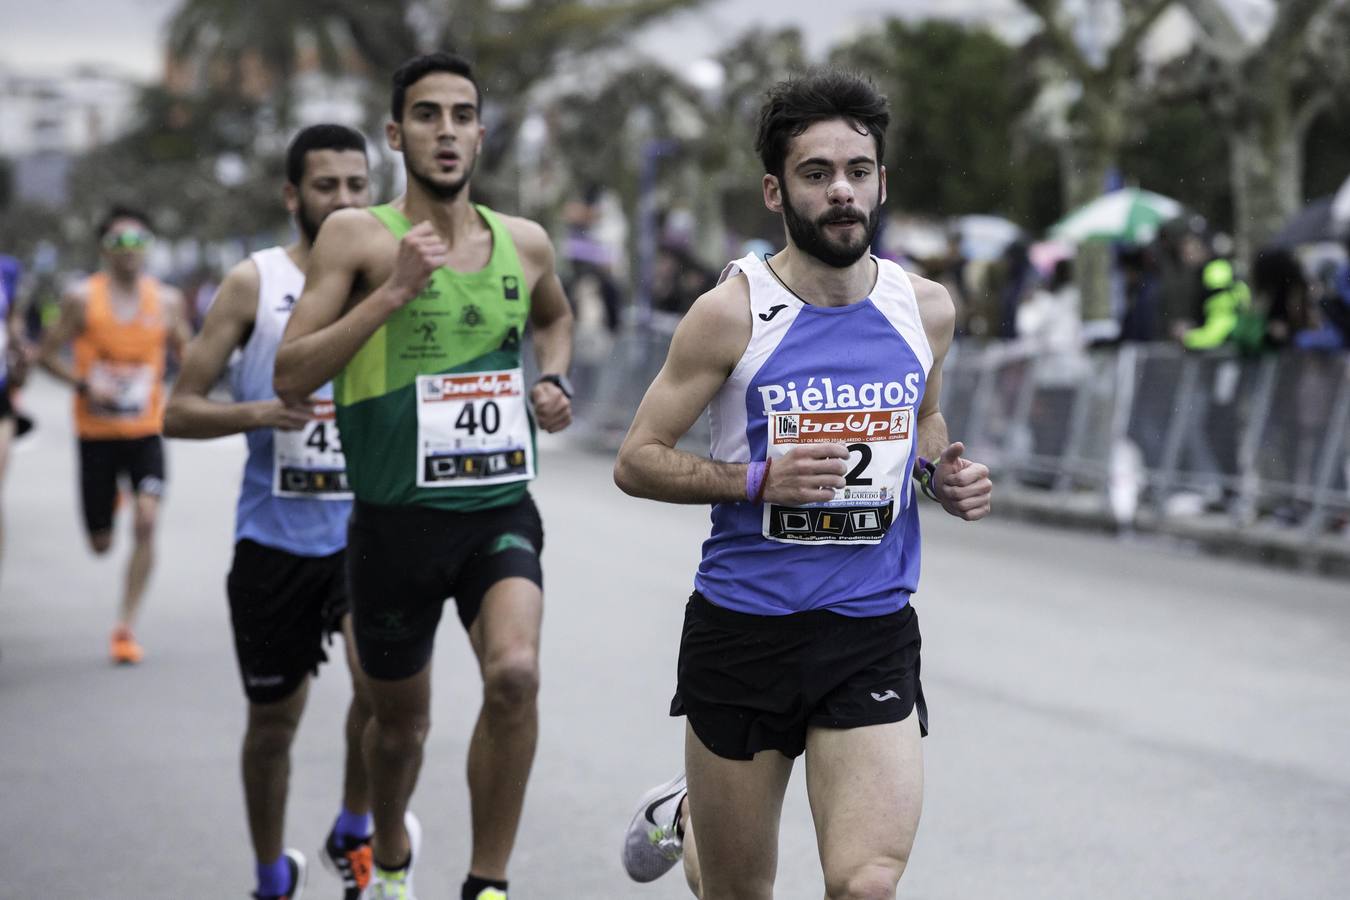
(878, 442)
(473, 430)
(307, 463)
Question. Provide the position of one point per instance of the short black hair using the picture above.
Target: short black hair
(419, 67)
(817, 95)
(123, 212)
(319, 137)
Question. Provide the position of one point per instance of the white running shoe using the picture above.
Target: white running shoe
(655, 841)
(396, 885)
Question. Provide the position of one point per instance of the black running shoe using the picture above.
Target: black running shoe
(350, 861)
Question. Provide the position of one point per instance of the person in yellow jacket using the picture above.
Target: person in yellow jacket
(119, 323)
(1221, 297)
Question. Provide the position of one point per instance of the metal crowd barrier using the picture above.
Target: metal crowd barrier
(1138, 436)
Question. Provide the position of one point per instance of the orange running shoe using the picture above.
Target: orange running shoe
(125, 651)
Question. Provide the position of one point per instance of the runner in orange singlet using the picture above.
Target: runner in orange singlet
(120, 322)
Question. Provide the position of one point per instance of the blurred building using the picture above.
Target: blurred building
(47, 120)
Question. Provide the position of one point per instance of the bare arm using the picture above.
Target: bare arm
(962, 487)
(704, 351)
(320, 338)
(180, 329)
(69, 323)
(551, 320)
(190, 413)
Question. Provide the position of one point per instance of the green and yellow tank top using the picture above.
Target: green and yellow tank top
(433, 410)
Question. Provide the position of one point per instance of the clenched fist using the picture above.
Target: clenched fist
(420, 253)
(961, 486)
(809, 473)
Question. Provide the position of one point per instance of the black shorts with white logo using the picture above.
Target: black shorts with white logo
(403, 562)
(102, 462)
(749, 683)
(284, 609)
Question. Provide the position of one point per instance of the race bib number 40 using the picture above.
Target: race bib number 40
(878, 441)
(307, 463)
(473, 430)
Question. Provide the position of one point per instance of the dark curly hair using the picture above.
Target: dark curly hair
(818, 95)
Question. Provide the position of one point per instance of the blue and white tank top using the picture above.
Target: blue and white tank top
(848, 374)
(294, 495)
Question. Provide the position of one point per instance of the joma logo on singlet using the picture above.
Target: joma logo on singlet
(817, 394)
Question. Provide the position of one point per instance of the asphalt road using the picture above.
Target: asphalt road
(1110, 720)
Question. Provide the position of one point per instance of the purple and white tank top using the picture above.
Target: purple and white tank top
(849, 374)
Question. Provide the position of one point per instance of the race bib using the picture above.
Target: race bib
(473, 430)
(878, 442)
(120, 390)
(307, 463)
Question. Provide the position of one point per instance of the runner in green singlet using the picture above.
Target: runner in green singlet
(416, 311)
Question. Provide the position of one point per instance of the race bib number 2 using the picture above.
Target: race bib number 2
(473, 430)
(308, 463)
(878, 441)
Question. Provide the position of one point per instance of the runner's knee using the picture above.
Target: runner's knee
(874, 880)
(512, 679)
(146, 517)
(402, 732)
(100, 541)
(269, 737)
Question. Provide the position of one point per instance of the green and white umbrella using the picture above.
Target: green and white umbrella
(1130, 215)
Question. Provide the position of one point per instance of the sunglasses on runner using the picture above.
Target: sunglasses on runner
(127, 239)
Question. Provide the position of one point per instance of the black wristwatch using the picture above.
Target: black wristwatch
(561, 381)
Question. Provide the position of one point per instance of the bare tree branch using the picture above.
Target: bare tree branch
(1313, 107)
(1140, 17)
(1217, 23)
(1061, 42)
(1291, 25)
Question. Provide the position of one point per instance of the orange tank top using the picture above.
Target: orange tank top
(123, 362)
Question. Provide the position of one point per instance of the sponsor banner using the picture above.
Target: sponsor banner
(475, 386)
(858, 426)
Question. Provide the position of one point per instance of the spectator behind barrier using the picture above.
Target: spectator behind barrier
(1220, 296)
(1331, 330)
(1280, 292)
(1140, 319)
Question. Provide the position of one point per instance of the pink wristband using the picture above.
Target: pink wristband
(755, 477)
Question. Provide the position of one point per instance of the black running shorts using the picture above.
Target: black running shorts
(749, 683)
(284, 609)
(102, 462)
(403, 562)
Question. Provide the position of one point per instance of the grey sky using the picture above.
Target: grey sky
(54, 35)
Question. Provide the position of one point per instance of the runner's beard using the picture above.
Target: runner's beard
(440, 190)
(810, 237)
(309, 226)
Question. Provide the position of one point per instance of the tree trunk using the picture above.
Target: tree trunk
(1267, 161)
(1089, 158)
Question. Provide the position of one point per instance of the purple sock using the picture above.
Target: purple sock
(352, 825)
(274, 878)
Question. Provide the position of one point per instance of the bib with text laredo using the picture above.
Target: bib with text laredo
(433, 408)
(879, 446)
